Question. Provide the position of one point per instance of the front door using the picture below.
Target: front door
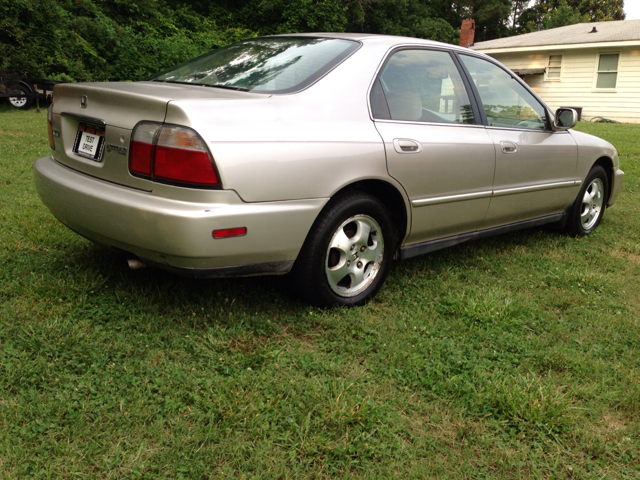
(535, 167)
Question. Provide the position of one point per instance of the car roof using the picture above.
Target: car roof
(391, 40)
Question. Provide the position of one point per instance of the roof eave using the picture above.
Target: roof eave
(570, 46)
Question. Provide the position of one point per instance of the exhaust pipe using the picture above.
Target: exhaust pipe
(135, 264)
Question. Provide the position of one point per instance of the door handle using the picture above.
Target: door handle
(406, 145)
(509, 147)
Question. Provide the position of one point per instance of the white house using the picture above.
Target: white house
(595, 66)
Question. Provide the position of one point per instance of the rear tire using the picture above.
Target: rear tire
(588, 209)
(347, 254)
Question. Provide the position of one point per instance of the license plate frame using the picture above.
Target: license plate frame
(89, 142)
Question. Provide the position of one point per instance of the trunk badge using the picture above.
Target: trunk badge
(83, 101)
(116, 148)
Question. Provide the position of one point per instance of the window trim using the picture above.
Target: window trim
(550, 114)
(546, 70)
(597, 73)
(478, 114)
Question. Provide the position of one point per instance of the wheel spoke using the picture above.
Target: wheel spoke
(341, 241)
(336, 275)
(362, 236)
(586, 213)
(358, 276)
(372, 254)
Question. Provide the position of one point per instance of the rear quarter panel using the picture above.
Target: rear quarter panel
(303, 145)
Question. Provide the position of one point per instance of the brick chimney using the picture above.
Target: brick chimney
(467, 32)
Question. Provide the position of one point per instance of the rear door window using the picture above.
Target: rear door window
(420, 85)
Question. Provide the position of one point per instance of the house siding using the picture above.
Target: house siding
(576, 87)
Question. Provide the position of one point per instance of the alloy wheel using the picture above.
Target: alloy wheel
(354, 255)
(592, 204)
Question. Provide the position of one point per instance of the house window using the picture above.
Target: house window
(607, 70)
(553, 67)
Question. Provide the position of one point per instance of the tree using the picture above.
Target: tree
(413, 18)
(517, 7)
(491, 16)
(601, 10)
(558, 13)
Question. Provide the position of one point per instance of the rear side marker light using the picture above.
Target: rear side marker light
(171, 154)
(229, 232)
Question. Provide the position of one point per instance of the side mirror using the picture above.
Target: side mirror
(565, 119)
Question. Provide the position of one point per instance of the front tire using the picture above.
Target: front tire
(589, 207)
(347, 254)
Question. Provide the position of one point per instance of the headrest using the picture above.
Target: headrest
(404, 105)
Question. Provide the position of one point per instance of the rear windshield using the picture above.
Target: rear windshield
(263, 65)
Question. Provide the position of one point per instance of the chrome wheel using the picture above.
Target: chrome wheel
(592, 204)
(354, 255)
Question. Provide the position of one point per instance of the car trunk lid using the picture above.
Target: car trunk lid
(110, 111)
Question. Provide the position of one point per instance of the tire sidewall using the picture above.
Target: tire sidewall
(317, 244)
(576, 224)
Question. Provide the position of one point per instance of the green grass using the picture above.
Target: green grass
(513, 357)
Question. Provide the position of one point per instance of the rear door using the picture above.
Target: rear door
(435, 148)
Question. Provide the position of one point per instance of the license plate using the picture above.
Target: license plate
(89, 142)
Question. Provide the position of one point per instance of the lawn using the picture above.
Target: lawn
(512, 357)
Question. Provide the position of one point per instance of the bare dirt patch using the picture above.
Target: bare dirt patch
(633, 257)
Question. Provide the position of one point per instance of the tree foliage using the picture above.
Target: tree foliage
(88, 40)
(558, 13)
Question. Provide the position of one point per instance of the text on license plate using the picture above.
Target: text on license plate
(89, 142)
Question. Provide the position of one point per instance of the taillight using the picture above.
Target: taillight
(141, 148)
(171, 154)
(181, 156)
(52, 143)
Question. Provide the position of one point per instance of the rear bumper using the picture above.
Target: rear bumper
(176, 234)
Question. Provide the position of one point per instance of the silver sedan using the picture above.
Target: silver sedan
(324, 156)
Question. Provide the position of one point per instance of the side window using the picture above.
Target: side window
(421, 86)
(607, 70)
(554, 67)
(506, 102)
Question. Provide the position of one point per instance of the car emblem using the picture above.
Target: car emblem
(83, 101)
(116, 148)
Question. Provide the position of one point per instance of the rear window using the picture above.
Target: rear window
(264, 65)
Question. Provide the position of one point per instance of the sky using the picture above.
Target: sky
(632, 9)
